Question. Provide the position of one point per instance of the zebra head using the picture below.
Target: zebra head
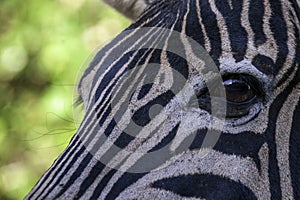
(197, 99)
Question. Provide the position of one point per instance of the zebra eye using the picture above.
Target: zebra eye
(242, 92)
(238, 91)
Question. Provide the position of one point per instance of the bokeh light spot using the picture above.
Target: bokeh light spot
(14, 59)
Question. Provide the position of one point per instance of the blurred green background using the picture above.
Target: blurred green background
(43, 47)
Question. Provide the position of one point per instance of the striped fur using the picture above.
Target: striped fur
(257, 156)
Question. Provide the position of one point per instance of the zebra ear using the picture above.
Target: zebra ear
(130, 8)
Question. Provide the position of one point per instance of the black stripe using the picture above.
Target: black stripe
(237, 34)
(256, 14)
(208, 186)
(264, 64)
(194, 29)
(212, 30)
(105, 111)
(181, 70)
(279, 30)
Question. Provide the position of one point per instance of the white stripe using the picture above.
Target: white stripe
(269, 48)
(226, 57)
(251, 50)
(283, 130)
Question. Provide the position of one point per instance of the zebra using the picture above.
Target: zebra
(151, 128)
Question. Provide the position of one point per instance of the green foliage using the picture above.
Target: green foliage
(43, 48)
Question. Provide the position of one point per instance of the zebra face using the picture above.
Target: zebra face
(198, 99)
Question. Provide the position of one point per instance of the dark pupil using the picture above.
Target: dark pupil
(237, 91)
